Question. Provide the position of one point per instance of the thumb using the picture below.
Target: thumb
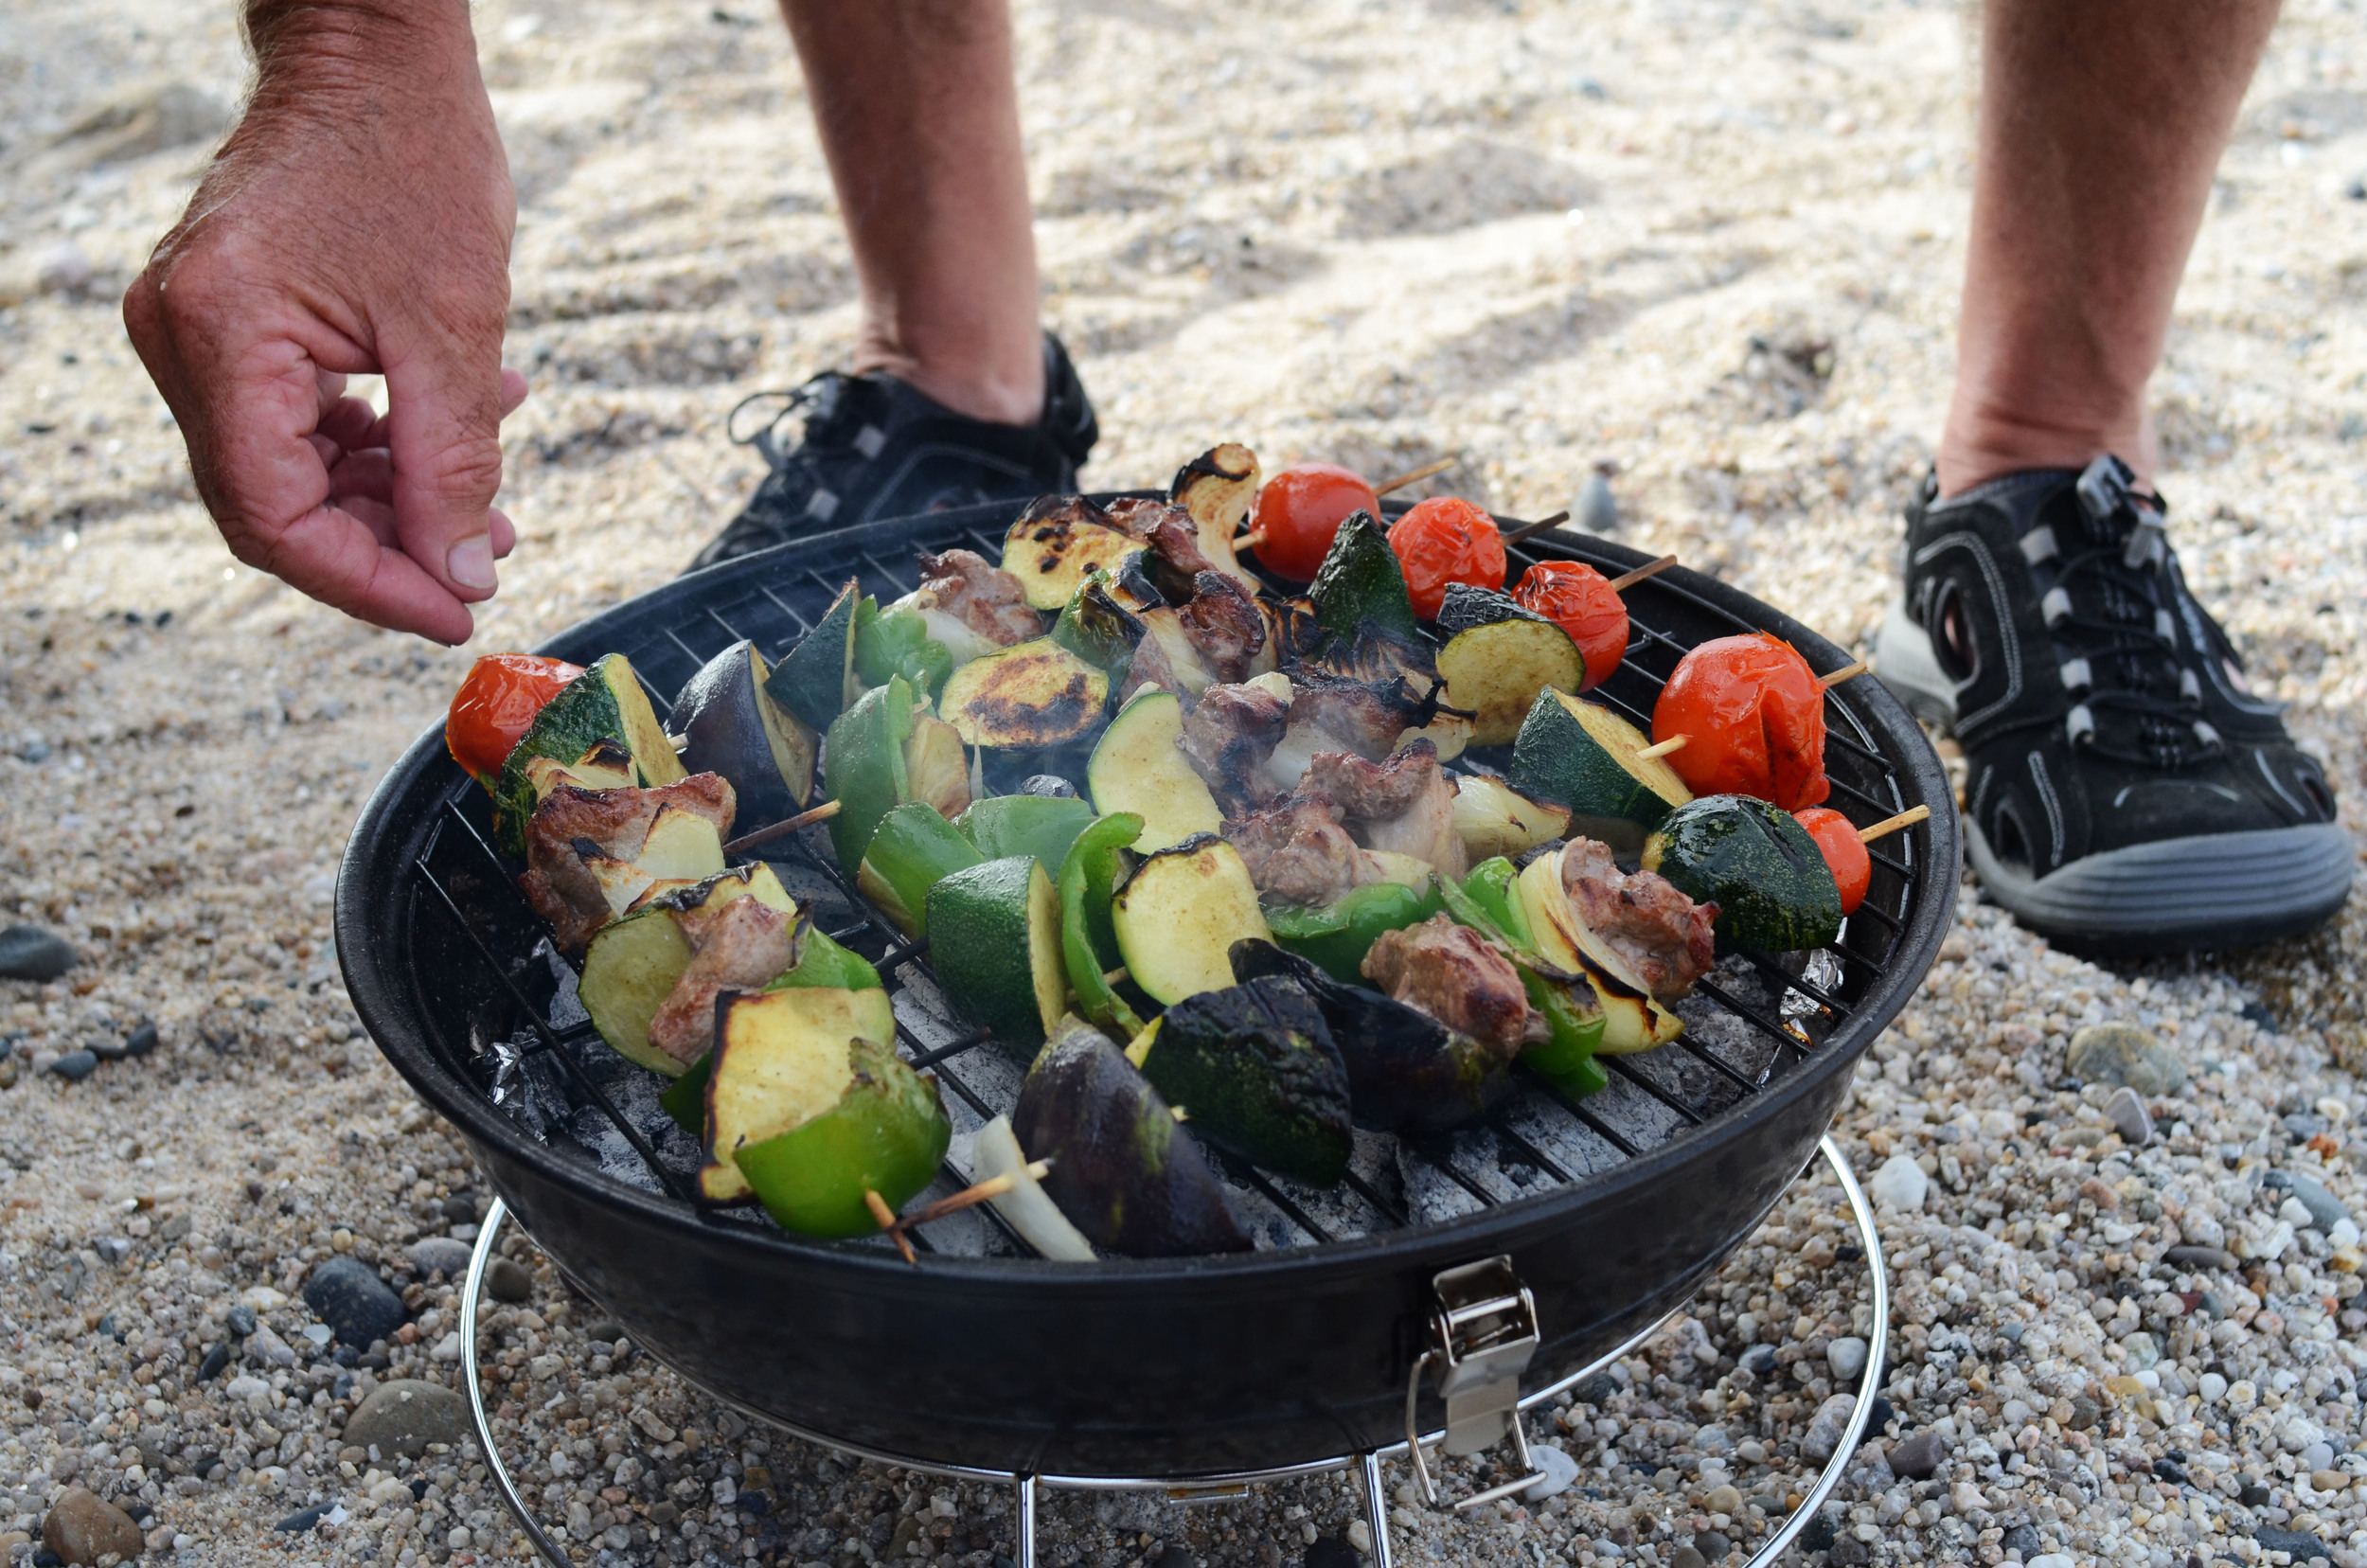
(444, 396)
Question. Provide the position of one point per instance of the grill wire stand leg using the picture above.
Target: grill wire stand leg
(1027, 1489)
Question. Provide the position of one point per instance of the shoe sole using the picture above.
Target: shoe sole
(2212, 890)
(2181, 895)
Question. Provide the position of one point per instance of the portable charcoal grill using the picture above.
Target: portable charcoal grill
(1578, 1226)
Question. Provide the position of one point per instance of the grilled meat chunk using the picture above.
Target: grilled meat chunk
(1665, 935)
(1227, 738)
(1170, 532)
(1454, 973)
(1298, 853)
(745, 944)
(1332, 713)
(616, 821)
(1223, 624)
(1403, 804)
(982, 596)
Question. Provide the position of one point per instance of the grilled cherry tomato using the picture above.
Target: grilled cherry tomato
(1752, 717)
(1298, 511)
(1837, 837)
(1580, 599)
(1444, 539)
(496, 703)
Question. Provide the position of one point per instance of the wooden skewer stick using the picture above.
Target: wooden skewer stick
(1626, 580)
(1675, 742)
(1528, 530)
(1846, 672)
(969, 1197)
(1114, 976)
(823, 812)
(1251, 540)
(1416, 476)
(1907, 818)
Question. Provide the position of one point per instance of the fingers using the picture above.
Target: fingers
(444, 394)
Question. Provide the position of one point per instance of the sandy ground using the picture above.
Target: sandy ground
(1717, 246)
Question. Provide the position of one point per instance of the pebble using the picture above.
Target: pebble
(1824, 1433)
(239, 1320)
(2125, 1056)
(142, 1039)
(1688, 1556)
(2126, 1111)
(304, 1519)
(433, 1252)
(1558, 1469)
(1914, 1458)
(2326, 1209)
(81, 1527)
(2302, 1544)
(2023, 1539)
(76, 1065)
(350, 1298)
(266, 1348)
(2051, 1559)
(507, 1280)
(404, 1415)
(30, 952)
(1900, 1184)
(2211, 1387)
(2202, 1257)
(1711, 1545)
(1596, 510)
(2318, 1457)
(1326, 1552)
(1847, 1357)
(216, 1359)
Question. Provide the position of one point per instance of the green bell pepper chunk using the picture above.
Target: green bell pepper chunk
(884, 1135)
(863, 767)
(1089, 942)
(1337, 936)
(913, 848)
(1043, 825)
(896, 642)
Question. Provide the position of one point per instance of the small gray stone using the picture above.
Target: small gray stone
(1713, 1545)
(1900, 1184)
(1759, 1361)
(1847, 1357)
(265, 1348)
(2318, 1457)
(2125, 1056)
(2085, 1412)
(2142, 1351)
(1688, 1556)
(113, 1249)
(1558, 1469)
(1596, 510)
(507, 1280)
(81, 1527)
(350, 1298)
(2201, 1258)
(2323, 1206)
(1826, 1431)
(606, 1330)
(239, 1320)
(28, 953)
(2300, 1542)
(2129, 1117)
(440, 1252)
(2024, 1539)
(1914, 1458)
(404, 1415)
(141, 1040)
(76, 1065)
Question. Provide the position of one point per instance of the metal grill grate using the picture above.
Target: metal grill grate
(1652, 1099)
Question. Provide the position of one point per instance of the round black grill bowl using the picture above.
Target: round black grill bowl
(1130, 1367)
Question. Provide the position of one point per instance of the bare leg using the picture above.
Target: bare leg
(2101, 124)
(919, 113)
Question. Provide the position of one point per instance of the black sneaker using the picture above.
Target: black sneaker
(874, 448)
(2126, 792)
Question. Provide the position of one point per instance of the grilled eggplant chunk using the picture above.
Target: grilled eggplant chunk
(1407, 1072)
(1256, 1069)
(731, 725)
(1122, 1170)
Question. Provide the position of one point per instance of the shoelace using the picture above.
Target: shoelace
(2127, 638)
(812, 390)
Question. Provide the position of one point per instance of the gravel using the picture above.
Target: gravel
(1715, 250)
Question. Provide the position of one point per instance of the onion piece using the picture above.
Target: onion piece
(994, 1152)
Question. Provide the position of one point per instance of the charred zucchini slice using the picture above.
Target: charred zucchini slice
(1360, 585)
(1056, 542)
(1494, 819)
(885, 1135)
(1582, 755)
(815, 680)
(912, 849)
(1026, 697)
(781, 1058)
(994, 941)
(1632, 1021)
(606, 702)
(606, 766)
(1256, 1069)
(1772, 886)
(1178, 916)
(1123, 1172)
(1135, 767)
(1498, 658)
(730, 725)
(631, 966)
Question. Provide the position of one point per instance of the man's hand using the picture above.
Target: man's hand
(357, 221)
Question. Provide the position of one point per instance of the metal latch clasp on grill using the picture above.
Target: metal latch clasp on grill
(1483, 1333)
